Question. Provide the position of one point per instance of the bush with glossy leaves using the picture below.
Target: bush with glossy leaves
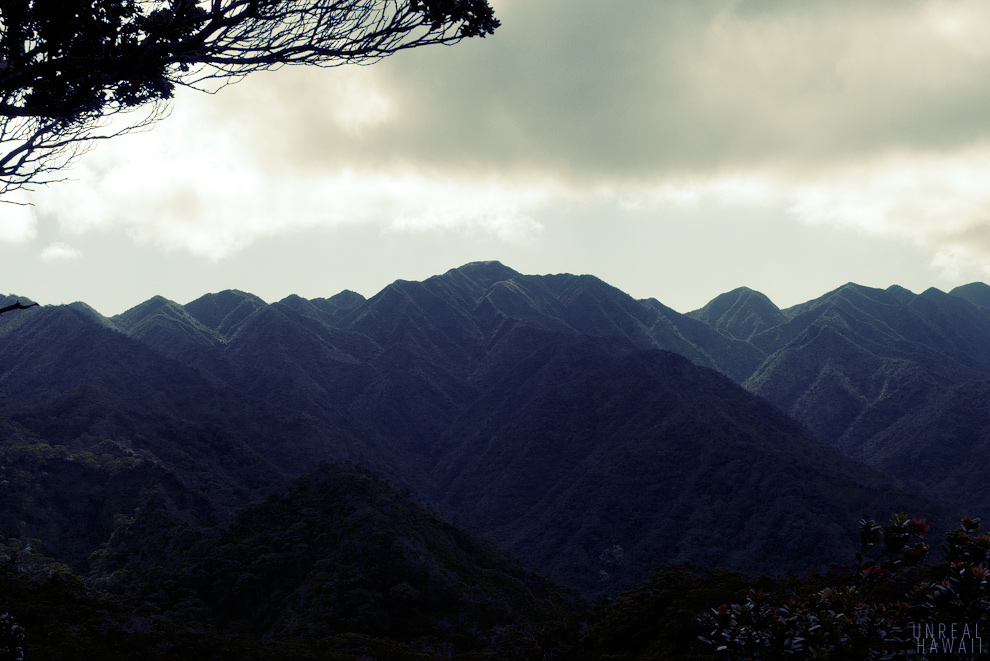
(887, 605)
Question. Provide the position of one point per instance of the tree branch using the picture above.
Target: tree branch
(62, 75)
(17, 306)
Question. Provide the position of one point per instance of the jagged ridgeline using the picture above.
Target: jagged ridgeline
(593, 435)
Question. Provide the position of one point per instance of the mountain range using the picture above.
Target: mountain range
(594, 435)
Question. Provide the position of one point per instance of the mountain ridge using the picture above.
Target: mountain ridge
(174, 459)
(437, 384)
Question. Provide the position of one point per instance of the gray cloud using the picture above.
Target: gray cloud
(587, 91)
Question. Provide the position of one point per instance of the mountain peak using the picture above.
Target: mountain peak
(128, 319)
(482, 274)
(491, 267)
(977, 293)
(851, 293)
(347, 299)
(934, 292)
(88, 311)
(229, 295)
(212, 310)
(858, 289)
(742, 312)
(901, 294)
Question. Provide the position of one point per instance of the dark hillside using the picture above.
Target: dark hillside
(599, 464)
(944, 445)
(485, 391)
(342, 557)
(869, 370)
(859, 353)
(170, 329)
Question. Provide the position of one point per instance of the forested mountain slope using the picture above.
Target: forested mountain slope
(585, 452)
(588, 433)
(859, 363)
(529, 408)
(542, 411)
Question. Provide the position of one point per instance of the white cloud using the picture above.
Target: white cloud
(18, 223)
(936, 201)
(58, 252)
(217, 211)
(509, 226)
(940, 201)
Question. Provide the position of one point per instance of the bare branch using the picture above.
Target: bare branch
(63, 74)
(17, 306)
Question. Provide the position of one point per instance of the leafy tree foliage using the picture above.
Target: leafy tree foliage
(658, 619)
(337, 558)
(889, 604)
(11, 639)
(66, 66)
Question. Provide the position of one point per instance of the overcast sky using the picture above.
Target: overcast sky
(676, 149)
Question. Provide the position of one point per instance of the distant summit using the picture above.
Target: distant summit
(741, 313)
(905, 296)
(489, 271)
(215, 311)
(347, 299)
(977, 293)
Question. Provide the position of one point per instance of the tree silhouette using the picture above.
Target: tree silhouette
(68, 66)
(17, 306)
